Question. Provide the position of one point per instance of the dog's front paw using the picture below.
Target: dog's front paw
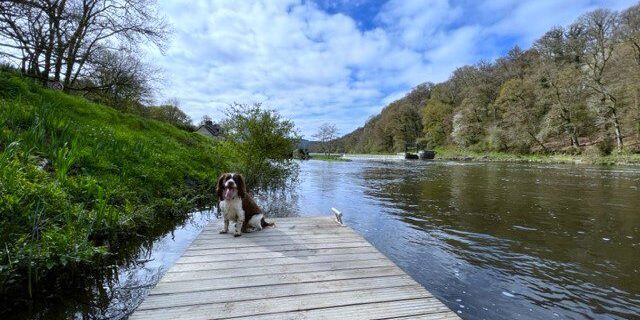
(237, 234)
(223, 231)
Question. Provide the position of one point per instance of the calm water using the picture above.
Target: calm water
(491, 240)
(496, 240)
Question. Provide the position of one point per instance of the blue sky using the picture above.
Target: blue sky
(337, 61)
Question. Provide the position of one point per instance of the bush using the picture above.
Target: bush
(262, 143)
(605, 146)
(592, 152)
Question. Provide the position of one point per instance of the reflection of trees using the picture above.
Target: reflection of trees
(279, 202)
(116, 287)
(542, 225)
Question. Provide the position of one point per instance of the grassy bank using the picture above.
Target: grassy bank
(327, 157)
(587, 157)
(77, 179)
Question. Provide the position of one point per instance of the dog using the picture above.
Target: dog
(237, 205)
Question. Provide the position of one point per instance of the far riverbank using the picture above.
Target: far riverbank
(455, 154)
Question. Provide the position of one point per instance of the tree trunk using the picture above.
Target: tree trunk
(616, 126)
(538, 141)
(574, 139)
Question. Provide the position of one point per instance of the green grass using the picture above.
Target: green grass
(327, 157)
(78, 177)
(453, 153)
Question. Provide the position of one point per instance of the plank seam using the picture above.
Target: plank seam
(288, 264)
(283, 273)
(435, 312)
(293, 256)
(281, 284)
(413, 286)
(327, 307)
(285, 250)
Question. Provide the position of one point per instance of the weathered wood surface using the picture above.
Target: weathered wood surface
(304, 268)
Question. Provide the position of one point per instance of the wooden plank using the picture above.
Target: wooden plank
(379, 310)
(263, 280)
(276, 269)
(304, 268)
(439, 315)
(241, 242)
(284, 304)
(320, 226)
(275, 235)
(271, 255)
(267, 292)
(200, 251)
(296, 220)
(277, 261)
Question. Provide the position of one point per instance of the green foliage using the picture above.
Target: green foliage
(301, 154)
(259, 138)
(169, 114)
(330, 157)
(437, 121)
(399, 123)
(76, 176)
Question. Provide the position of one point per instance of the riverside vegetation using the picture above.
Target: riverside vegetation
(574, 93)
(79, 180)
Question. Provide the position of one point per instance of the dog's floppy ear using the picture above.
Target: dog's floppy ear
(242, 187)
(220, 186)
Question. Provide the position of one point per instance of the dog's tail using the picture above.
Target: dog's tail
(265, 224)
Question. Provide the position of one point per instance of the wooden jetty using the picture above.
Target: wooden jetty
(304, 268)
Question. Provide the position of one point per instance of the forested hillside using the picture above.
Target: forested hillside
(577, 87)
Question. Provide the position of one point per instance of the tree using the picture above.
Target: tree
(170, 112)
(59, 39)
(119, 80)
(521, 114)
(205, 119)
(262, 141)
(601, 29)
(630, 35)
(326, 135)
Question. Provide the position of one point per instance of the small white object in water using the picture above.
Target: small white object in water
(606, 239)
(510, 295)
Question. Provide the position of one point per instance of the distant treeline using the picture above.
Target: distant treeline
(576, 88)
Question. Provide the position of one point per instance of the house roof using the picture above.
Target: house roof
(213, 128)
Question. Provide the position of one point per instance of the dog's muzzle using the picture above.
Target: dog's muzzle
(230, 193)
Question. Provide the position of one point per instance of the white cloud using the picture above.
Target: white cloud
(317, 67)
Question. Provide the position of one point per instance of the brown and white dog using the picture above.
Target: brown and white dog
(237, 205)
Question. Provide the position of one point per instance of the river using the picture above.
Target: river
(496, 240)
(491, 240)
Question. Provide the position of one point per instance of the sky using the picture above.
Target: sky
(337, 61)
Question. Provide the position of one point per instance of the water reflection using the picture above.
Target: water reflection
(493, 241)
(497, 241)
(118, 289)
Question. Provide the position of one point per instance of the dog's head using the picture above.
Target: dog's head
(229, 185)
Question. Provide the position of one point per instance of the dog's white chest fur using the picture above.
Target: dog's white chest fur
(232, 211)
